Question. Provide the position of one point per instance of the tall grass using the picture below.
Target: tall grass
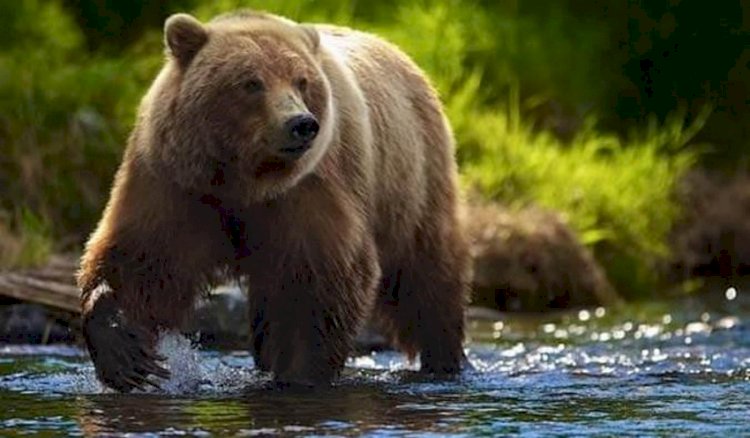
(63, 117)
(29, 244)
(618, 195)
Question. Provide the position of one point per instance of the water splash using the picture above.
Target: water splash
(195, 372)
(66, 370)
(183, 362)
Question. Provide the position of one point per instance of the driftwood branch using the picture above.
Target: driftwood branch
(52, 285)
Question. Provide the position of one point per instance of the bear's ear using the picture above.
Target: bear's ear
(184, 37)
(311, 36)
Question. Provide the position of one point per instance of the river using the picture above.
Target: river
(670, 367)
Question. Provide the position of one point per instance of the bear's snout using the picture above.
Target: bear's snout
(300, 130)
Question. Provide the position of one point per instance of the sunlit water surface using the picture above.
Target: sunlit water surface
(668, 368)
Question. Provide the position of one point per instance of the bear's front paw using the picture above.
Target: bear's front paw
(122, 352)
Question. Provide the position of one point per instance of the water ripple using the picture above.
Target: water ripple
(599, 372)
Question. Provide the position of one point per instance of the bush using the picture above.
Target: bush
(63, 119)
(618, 195)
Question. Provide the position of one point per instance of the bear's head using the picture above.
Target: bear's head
(242, 107)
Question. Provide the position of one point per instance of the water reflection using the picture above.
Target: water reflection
(350, 408)
(656, 369)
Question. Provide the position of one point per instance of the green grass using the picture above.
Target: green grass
(618, 195)
(30, 244)
(64, 115)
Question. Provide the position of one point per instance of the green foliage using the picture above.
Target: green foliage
(618, 195)
(36, 23)
(113, 25)
(29, 244)
(63, 117)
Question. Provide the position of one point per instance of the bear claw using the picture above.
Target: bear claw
(121, 351)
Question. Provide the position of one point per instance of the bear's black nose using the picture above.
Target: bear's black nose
(302, 128)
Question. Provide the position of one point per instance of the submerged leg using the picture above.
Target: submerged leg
(305, 320)
(422, 302)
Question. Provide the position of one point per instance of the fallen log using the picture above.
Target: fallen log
(51, 285)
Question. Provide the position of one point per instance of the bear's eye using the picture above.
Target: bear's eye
(253, 85)
(301, 84)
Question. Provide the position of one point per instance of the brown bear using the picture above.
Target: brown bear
(314, 163)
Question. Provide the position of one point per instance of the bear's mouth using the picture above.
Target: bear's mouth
(295, 151)
(271, 165)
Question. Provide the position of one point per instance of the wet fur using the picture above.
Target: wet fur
(366, 224)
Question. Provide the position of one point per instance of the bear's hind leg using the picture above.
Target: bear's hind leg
(421, 306)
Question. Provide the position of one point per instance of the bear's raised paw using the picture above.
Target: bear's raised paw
(122, 352)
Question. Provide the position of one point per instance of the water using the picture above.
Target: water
(660, 369)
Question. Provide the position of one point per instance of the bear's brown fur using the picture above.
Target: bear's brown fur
(362, 223)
